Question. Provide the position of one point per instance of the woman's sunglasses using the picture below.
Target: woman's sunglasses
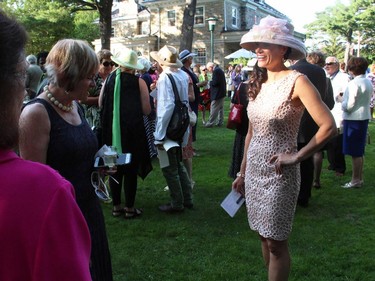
(108, 63)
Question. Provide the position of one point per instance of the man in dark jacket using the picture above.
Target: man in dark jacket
(308, 127)
(218, 87)
(186, 57)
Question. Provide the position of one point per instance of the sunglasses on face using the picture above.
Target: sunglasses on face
(331, 63)
(108, 63)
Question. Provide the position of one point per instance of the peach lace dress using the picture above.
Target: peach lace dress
(270, 198)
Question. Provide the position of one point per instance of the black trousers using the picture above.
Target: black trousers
(307, 177)
(335, 156)
(126, 176)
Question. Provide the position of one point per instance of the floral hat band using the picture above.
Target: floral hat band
(274, 31)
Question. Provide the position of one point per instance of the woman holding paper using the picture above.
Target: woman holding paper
(269, 176)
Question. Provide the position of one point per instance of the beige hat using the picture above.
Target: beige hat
(167, 56)
(129, 59)
(274, 31)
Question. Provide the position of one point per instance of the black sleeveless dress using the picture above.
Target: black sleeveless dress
(71, 152)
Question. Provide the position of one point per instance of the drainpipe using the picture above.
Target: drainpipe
(159, 28)
(225, 15)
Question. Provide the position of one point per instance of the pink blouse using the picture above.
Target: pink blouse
(43, 234)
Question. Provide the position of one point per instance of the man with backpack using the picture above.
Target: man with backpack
(173, 169)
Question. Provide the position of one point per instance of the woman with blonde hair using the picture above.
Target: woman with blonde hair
(54, 131)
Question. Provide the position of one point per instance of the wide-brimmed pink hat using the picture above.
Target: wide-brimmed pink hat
(167, 56)
(274, 31)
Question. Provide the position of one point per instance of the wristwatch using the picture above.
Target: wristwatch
(239, 174)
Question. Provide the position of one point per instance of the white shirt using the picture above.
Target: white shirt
(339, 84)
(165, 101)
(356, 100)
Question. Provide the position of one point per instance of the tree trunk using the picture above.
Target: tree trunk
(187, 32)
(105, 23)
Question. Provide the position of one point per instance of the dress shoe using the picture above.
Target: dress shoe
(167, 208)
(303, 203)
(316, 184)
(352, 185)
(189, 206)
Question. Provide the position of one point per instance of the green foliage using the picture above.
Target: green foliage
(49, 21)
(341, 24)
(84, 26)
(242, 61)
(332, 239)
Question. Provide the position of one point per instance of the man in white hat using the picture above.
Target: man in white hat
(175, 173)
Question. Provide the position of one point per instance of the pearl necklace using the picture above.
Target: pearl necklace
(55, 102)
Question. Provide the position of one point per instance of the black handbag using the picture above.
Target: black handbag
(180, 117)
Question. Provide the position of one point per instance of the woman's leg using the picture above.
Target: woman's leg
(116, 191)
(318, 161)
(279, 260)
(357, 163)
(130, 186)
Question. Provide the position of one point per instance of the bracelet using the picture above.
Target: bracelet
(239, 174)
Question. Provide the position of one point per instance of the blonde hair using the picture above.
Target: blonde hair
(69, 62)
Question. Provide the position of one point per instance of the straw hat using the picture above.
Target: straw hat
(274, 31)
(129, 59)
(167, 56)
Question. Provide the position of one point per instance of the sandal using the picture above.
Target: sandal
(133, 214)
(117, 213)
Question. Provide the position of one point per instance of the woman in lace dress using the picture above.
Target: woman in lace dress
(269, 175)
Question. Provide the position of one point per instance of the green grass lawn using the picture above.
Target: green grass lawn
(333, 239)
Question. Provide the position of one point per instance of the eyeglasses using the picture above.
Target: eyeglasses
(108, 63)
(331, 63)
(100, 186)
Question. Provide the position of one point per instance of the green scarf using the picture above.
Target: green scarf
(116, 130)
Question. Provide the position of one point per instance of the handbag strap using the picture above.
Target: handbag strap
(175, 91)
(238, 93)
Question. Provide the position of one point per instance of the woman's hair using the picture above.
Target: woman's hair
(357, 65)
(13, 38)
(69, 62)
(257, 77)
(317, 58)
(104, 54)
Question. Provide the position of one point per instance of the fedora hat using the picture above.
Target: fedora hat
(129, 59)
(274, 31)
(186, 54)
(167, 56)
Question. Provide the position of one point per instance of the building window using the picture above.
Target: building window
(142, 27)
(171, 18)
(234, 16)
(112, 32)
(201, 58)
(199, 16)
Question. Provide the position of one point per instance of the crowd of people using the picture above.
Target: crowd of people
(296, 106)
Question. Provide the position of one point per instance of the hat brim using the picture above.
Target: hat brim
(137, 66)
(297, 47)
(156, 57)
(188, 56)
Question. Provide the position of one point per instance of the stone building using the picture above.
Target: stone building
(148, 25)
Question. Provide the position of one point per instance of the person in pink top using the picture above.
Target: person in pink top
(44, 235)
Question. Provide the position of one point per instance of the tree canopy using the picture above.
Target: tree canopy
(350, 26)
